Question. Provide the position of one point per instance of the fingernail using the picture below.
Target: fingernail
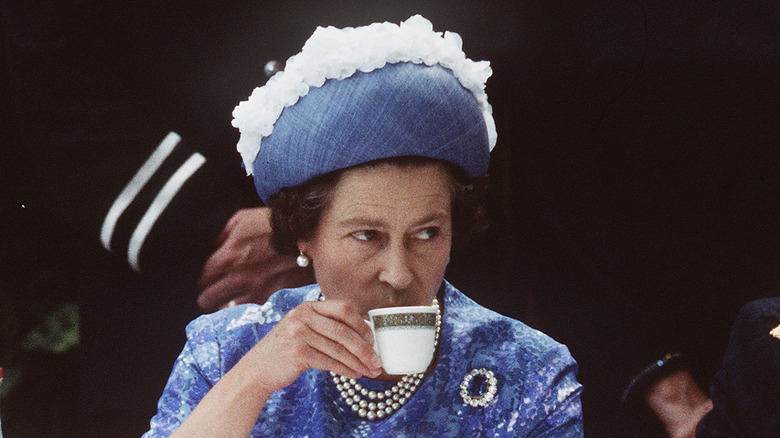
(370, 335)
(373, 371)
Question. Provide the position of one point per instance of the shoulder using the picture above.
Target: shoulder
(532, 378)
(217, 341)
(526, 358)
(243, 316)
(480, 326)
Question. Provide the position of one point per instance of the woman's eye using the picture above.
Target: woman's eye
(427, 233)
(364, 235)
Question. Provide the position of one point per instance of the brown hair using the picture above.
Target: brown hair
(296, 211)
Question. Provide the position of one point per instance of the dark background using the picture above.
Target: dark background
(634, 197)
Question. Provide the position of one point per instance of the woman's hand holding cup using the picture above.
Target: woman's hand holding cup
(326, 335)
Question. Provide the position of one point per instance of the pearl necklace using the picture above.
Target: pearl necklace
(376, 405)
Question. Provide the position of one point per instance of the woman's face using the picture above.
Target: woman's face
(385, 238)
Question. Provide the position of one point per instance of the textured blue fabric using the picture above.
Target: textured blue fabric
(538, 395)
(402, 109)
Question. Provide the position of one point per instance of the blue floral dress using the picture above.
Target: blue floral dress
(537, 391)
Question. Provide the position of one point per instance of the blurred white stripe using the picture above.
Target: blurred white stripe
(135, 185)
(161, 201)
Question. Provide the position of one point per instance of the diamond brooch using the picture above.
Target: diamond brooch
(479, 387)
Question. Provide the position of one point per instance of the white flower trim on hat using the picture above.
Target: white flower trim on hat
(332, 53)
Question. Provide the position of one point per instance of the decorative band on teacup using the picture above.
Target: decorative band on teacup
(404, 320)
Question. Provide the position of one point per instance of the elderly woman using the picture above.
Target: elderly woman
(366, 148)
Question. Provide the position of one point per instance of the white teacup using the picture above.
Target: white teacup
(404, 337)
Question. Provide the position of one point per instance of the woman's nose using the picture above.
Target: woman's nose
(395, 269)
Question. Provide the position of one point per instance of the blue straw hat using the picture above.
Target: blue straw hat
(404, 108)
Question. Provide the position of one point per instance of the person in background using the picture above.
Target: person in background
(744, 390)
(148, 204)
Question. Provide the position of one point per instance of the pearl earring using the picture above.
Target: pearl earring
(302, 260)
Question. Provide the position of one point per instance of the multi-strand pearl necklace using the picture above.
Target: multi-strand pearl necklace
(375, 405)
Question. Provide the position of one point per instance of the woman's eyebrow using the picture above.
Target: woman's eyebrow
(361, 221)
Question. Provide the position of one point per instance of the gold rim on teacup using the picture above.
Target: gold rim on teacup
(404, 320)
